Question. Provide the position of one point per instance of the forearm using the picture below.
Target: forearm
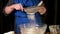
(8, 8)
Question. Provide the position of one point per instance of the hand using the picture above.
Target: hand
(9, 9)
(42, 10)
(18, 7)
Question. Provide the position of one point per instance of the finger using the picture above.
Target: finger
(21, 7)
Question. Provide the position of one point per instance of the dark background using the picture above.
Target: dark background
(51, 17)
(1, 15)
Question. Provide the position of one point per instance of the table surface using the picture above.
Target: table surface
(47, 33)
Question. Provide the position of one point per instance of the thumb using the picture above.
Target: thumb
(40, 3)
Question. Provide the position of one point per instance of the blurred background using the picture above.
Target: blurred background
(50, 18)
